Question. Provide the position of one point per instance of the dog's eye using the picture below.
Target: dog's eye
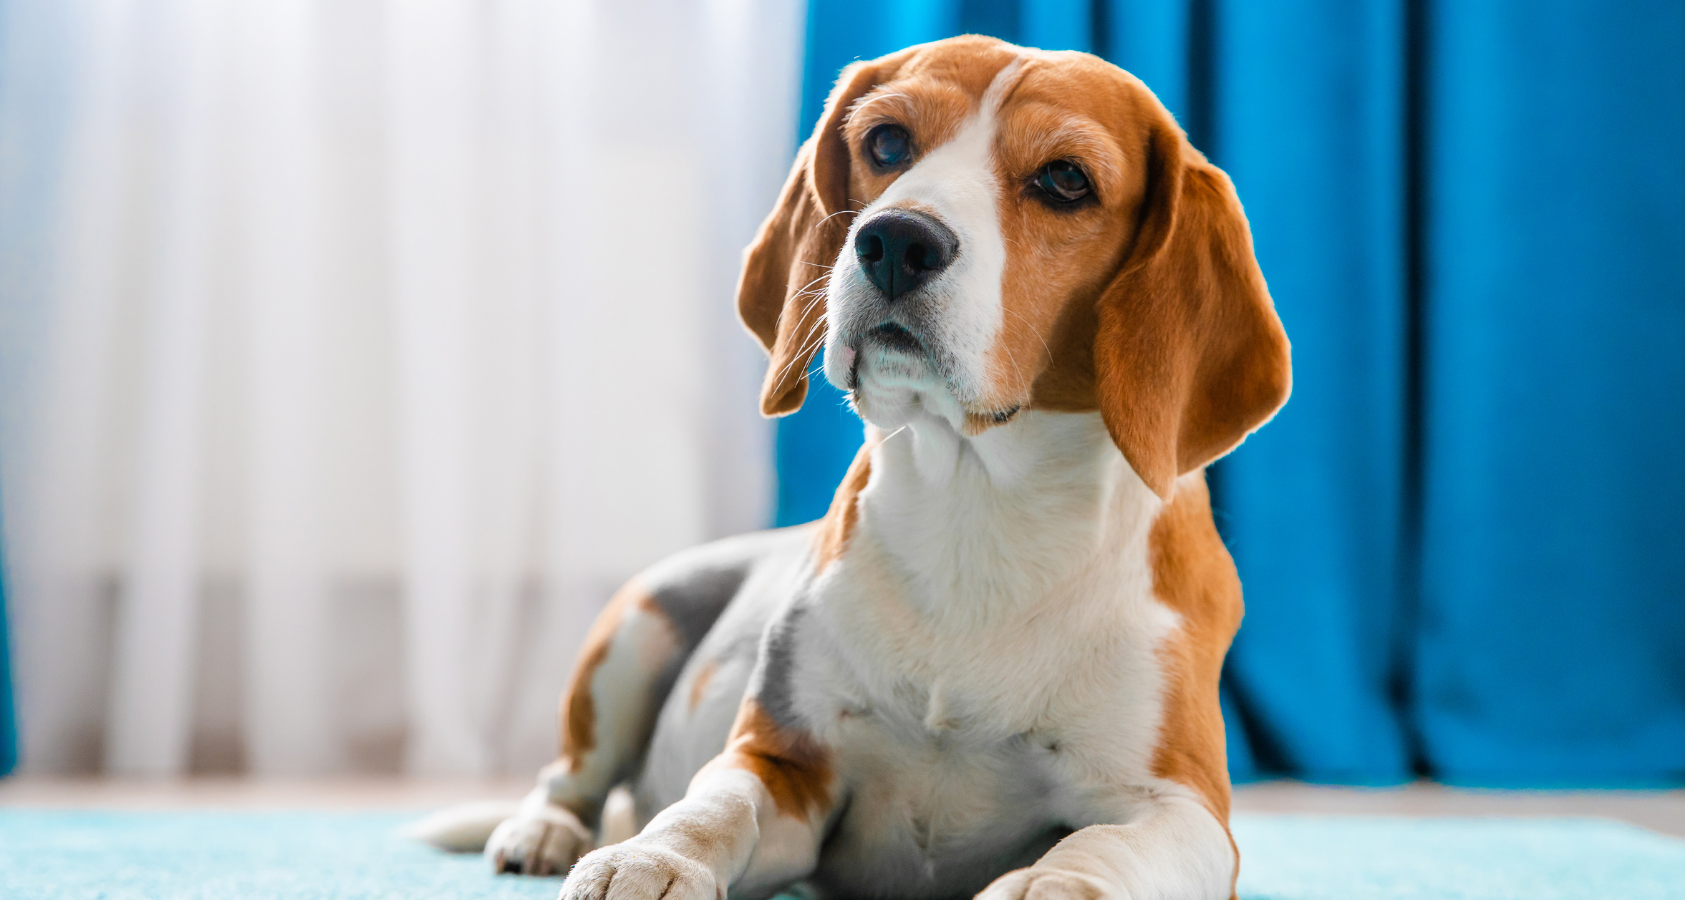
(889, 146)
(1063, 181)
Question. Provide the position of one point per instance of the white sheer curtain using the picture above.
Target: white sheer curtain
(351, 353)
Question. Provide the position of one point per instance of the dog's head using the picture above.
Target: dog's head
(976, 228)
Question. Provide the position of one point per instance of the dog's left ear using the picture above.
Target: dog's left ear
(781, 292)
(1189, 355)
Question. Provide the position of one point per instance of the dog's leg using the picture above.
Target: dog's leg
(752, 820)
(1175, 848)
(608, 710)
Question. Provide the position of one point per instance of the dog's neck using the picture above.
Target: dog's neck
(994, 521)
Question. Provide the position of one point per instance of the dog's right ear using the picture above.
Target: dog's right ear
(781, 292)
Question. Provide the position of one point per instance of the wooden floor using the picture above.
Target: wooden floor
(1661, 811)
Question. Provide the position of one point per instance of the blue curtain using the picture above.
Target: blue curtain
(1463, 541)
(1552, 638)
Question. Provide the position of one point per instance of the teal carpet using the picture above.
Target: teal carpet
(52, 855)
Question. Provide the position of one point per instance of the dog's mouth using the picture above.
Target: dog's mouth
(888, 336)
(899, 357)
(894, 337)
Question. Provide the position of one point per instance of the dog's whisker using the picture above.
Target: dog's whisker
(894, 433)
(1014, 360)
(804, 354)
(1032, 328)
(840, 212)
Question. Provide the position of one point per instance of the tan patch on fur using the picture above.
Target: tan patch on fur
(699, 683)
(838, 524)
(795, 769)
(1060, 260)
(932, 113)
(578, 709)
(1194, 575)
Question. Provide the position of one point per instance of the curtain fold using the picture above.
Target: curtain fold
(369, 347)
(153, 658)
(433, 195)
(1310, 121)
(287, 725)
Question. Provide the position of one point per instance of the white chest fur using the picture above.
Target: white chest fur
(983, 656)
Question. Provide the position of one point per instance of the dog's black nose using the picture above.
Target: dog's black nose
(901, 249)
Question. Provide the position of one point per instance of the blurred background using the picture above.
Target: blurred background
(352, 352)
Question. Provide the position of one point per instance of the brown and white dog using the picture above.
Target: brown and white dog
(993, 665)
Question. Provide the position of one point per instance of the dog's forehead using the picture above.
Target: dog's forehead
(1080, 82)
(969, 65)
(944, 83)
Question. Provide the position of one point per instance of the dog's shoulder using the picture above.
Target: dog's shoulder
(694, 587)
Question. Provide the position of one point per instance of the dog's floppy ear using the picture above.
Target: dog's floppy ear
(781, 292)
(1189, 355)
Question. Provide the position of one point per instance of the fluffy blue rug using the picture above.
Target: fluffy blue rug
(56, 855)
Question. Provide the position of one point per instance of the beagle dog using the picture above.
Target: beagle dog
(992, 666)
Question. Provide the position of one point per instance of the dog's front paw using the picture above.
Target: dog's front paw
(544, 841)
(640, 872)
(1046, 884)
